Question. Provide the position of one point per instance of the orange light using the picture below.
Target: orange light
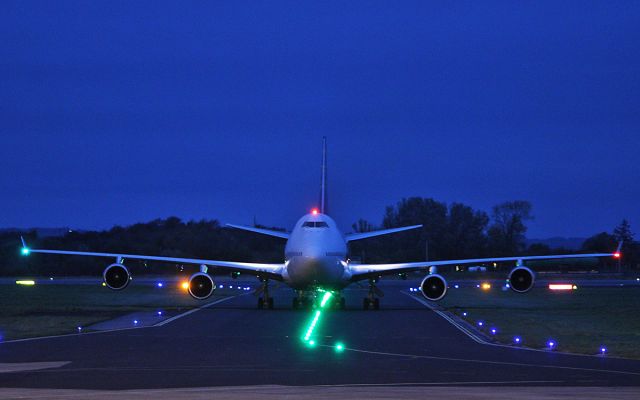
(185, 285)
(314, 211)
(617, 254)
(486, 286)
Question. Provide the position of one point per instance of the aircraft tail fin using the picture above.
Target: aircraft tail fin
(323, 183)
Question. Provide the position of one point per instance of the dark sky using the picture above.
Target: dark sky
(119, 112)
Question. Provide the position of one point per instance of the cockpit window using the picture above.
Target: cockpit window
(313, 224)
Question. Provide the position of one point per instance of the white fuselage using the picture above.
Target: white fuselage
(316, 255)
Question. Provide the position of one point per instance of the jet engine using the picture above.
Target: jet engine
(116, 276)
(201, 286)
(433, 287)
(521, 279)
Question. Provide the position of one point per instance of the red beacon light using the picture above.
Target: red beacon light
(617, 254)
(314, 211)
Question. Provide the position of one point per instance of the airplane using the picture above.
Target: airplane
(316, 258)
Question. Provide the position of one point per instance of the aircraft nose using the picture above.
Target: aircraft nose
(315, 270)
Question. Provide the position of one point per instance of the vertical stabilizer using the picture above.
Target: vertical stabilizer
(323, 183)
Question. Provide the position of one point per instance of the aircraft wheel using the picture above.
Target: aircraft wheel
(260, 302)
(270, 303)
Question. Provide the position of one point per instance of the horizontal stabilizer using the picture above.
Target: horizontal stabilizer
(363, 235)
(269, 232)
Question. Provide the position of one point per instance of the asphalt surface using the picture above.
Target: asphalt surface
(232, 343)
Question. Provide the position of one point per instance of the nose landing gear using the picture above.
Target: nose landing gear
(308, 300)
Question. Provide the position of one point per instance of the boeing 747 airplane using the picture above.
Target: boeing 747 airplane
(316, 258)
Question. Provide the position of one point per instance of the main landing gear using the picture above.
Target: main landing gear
(265, 301)
(372, 300)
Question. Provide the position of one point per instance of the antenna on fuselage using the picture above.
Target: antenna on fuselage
(323, 183)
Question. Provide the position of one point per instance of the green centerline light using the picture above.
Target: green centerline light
(339, 347)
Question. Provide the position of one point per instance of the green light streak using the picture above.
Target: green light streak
(316, 318)
(325, 298)
(312, 326)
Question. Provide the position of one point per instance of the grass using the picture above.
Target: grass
(40, 310)
(578, 321)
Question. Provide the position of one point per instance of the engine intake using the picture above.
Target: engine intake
(201, 286)
(116, 276)
(521, 279)
(433, 287)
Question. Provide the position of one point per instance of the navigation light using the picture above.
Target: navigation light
(314, 211)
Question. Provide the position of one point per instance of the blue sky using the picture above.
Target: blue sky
(119, 112)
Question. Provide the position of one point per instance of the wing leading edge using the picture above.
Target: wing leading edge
(274, 270)
(363, 235)
(363, 271)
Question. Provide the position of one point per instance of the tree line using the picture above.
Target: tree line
(458, 231)
(449, 231)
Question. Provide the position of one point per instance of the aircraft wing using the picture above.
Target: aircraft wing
(363, 235)
(365, 271)
(273, 270)
(269, 232)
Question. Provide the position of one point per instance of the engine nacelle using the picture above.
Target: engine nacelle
(433, 287)
(201, 286)
(521, 279)
(116, 276)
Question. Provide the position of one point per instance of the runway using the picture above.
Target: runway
(232, 343)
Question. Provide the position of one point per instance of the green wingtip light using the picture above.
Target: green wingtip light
(25, 251)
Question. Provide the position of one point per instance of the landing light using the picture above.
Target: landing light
(160, 284)
(517, 339)
(551, 344)
(603, 350)
(185, 285)
(486, 286)
(494, 331)
(562, 286)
